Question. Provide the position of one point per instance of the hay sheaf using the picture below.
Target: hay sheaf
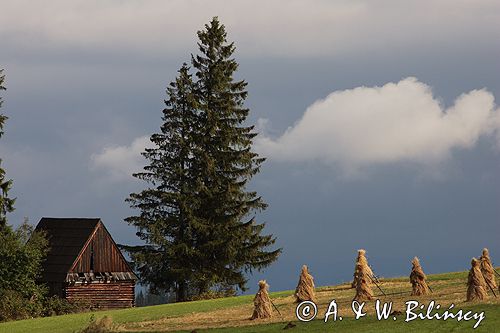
(262, 302)
(418, 279)
(363, 278)
(476, 285)
(361, 260)
(488, 270)
(305, 287)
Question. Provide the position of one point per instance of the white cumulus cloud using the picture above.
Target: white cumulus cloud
(122, 161)
(398, 122)
(354, 128)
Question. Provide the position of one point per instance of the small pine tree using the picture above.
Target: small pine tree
(6, 203)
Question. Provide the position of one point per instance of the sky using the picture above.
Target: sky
(379, 120)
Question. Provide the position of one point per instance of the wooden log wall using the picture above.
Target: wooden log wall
(111, 295)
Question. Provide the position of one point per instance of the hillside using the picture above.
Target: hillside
(231, 314)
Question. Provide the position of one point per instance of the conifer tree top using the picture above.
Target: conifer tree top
(6, 203)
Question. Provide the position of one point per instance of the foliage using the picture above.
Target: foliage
(22, 252)
(14, 306)
(56, 306)
(232, 243)
(166, 221)
(196, 217)
(6, 203)
(220, 292)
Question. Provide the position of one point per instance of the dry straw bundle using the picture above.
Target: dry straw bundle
(305, 287)
(362, 279)
(476, 285)
(488, 270)
(262, 302)
(361, 260)
(418, 279)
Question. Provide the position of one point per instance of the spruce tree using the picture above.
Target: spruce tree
(197, 218)
(232, 244)
(6, 203)
(166, 219)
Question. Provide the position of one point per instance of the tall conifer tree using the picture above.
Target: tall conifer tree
(233, 243)
(197, 217)
(6, 203)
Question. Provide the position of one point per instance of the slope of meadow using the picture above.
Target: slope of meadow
(231, 314)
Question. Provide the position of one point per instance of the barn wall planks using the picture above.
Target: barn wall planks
(118, 294)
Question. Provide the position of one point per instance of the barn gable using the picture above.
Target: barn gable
(100, 254)
(84, 262)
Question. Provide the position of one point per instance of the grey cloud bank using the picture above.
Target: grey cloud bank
(86, 79)
(281, 28)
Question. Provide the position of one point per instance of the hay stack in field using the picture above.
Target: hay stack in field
(418, 279)
(363, 290)
(487, 269)
(305, 287)
(361, 260)
(476, 285)
(262, 302)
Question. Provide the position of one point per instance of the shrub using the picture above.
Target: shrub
(54, 306)
(14, 306)
(22, 252)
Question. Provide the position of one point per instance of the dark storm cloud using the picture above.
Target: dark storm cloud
(85, 76)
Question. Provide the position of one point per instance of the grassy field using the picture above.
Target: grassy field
(371, 325)
(231, 314)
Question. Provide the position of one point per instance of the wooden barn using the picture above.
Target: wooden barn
(84, 263)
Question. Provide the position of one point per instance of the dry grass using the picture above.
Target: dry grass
(102, 325)
(446, 290)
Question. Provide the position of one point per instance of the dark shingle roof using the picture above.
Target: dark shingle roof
(67, 236)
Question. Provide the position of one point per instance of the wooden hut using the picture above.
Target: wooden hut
(84, 263)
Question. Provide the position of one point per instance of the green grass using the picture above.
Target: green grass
(74, 322)
(491, 324)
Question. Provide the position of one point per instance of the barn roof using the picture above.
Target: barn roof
(67, 239)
